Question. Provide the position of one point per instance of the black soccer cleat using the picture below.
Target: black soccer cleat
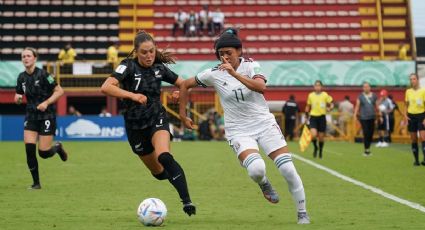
(423, 163)
(416, 163)
(189, 208)
(34, 186)
(62, 153)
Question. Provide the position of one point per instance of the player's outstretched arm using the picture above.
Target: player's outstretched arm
(111, 88)
(184, 91)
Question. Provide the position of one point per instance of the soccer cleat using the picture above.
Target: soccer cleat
(303, 218)
(423, 163)
(416, 163)
(62, 154)
(189, 209)
(269, 193)
(34, 186)
(379, 144)
(384, 144)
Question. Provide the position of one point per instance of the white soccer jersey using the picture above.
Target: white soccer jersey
(245, 111)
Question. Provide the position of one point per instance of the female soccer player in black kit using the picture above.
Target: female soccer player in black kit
(145, 118)
(41, 92)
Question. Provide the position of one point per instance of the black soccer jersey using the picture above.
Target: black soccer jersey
(147, 81)
(37, 87)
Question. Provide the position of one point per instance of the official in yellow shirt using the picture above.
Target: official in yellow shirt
(415, 115)
(318, 103)
(67, 54)
(112, 53)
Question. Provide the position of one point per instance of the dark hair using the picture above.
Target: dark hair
(347, 97)
(318, 81)
(291, 97)
(34, 52)
(160, 56)
(228, 38)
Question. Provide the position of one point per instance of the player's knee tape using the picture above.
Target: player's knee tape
(46, 154)
(287, 169)
(161, 176)
(256, 167)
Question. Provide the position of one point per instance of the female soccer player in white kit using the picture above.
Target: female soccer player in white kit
(248, 122)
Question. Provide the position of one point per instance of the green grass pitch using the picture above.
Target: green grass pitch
(102, 184)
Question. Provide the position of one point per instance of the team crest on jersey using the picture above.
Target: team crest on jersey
(37, 83)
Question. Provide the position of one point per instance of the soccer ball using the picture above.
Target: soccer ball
(152, 212)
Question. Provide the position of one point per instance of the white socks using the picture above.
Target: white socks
(287, 169)
(256, 168)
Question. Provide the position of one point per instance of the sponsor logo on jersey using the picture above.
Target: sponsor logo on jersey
(157, 75)
(136, 75)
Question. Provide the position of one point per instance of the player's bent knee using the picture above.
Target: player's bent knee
(165, 158)
(44, 154)
(255, 166)
(161, 176)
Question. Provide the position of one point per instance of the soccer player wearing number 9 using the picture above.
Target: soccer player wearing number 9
(248, 122)
(41, 92)
(145, 118)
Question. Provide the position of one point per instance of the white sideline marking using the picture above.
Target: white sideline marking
(361, 184)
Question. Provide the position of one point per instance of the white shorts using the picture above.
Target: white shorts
(270, 140)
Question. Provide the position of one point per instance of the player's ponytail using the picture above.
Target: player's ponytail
(160, 56)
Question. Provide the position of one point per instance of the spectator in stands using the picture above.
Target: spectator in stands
(104, 112)
(346, 110)
(192, 24)
(112, 53)
(318, 104)
(290, 110)
(366, 110)
(180, 22)
(138, 82)
(217, 20)
(402, 52)
(207, 129)
(219, 126)
(72, 111)
(67, 54)
(205, 21)
(41, 92)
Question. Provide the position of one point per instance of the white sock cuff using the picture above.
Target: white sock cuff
(282, 159)
(251, 158)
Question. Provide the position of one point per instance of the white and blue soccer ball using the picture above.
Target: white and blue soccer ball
(152, 212)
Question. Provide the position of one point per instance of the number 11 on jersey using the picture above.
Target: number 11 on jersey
(236, 94)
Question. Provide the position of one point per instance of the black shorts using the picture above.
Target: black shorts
(318, 122)
(42, 127)
(141, 139)
(415, 122)
(385, 125)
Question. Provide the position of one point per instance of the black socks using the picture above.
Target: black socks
(415, 151)
(32, 162)
(176, 175)
(321, 143)
(315, 147)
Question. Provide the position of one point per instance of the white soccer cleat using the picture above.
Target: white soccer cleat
(379, 144)
(303, 218)
(385, 144)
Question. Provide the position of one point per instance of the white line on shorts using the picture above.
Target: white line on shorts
(361, 184)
